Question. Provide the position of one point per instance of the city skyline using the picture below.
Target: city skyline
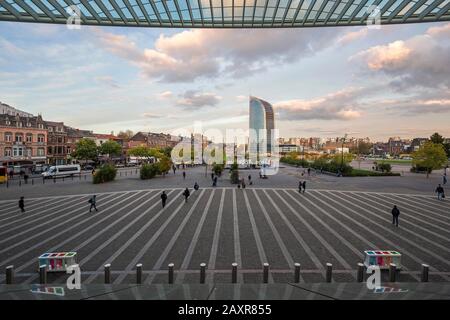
(380, 83)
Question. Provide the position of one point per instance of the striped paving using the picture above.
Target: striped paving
(219, 226)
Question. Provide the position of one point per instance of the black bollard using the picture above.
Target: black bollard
(9, 274)
(329, 273)
(202, 272)
(392, 272)
(297, 272)
(170, 273)
(360, 272)
(43, 274)
(108, 273)
(265, 273)
(234, 272)
(425, 269)
(139, 273)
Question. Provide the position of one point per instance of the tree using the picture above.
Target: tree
(127, 134)
(437, 138)
(430, 156)
(110, 148)
(85, 149)
(164, 164)
(362, 148)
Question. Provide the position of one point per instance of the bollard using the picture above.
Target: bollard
(234, 272)
(120, 173)
(108, 273)
(63, 179)
(72, 177)
(360, 273)
(297, 272)
(425, 269)
(85, 177)
(202, 272)
(54, 180)
(32, 182)
(9, 274)
(139, 273)
(329, 274)
(43, 180)
(170, 273)
(7, 183)
(265, 273)
(126, 173)
(43, 274)
(20, 182)
(79, 176)
(392, 272)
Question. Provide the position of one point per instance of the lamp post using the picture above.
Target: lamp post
(342, 151)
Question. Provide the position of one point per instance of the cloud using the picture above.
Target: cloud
(108, 81)
(151, 115)
(206, 53)
(341, 105)
(197, 99)
(241, 98)
(164, 95)
(353, 36)
(420, 61)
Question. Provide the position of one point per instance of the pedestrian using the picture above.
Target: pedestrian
(309, 171)
(395, 213)
(300, 185)
(212, 176)
(196, 186)
(215, 181)
(163, 198)
(186, 194)
(25, 178)
(250, 182)
(22, 204)
(304, 186)
(174, 169)
(440, 192)
(184, 175)
(93, 202)
(444, 179)
(243, 183)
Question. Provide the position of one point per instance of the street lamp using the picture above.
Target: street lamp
(342, 150)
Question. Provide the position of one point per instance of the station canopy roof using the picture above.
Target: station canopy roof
(225, 13)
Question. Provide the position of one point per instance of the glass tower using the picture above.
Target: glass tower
(261, 124)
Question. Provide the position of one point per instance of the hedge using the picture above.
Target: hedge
(106, 173)
(149, 171)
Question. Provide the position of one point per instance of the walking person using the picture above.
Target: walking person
(22, 204)
(440, 192)
(395, 213)
(93, 202)
(184, 175)
(186, 194)
(444, 179)
(163, 199)
(250, 182)
(300, 185)
(174, 169)
(309, 172)
(212, 176)
(304, 186)
(25, 178)
(196, 186)
(215, 181)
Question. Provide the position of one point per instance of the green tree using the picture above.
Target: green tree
(164, 164)
(437, 138)
(430, 156)
(110, 148)
(85, 149)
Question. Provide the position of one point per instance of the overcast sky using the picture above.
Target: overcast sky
(323, 82)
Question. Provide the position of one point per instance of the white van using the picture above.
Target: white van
(62, 171)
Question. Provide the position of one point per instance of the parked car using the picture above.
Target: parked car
(88, 167)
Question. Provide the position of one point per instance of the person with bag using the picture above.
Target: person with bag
(440, 192)
(93, 202)
(186, 195)
(395, 213)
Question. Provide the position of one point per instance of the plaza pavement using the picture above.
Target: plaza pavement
(268, 222)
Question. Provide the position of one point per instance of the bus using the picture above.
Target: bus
(62, 171)
(3, 174)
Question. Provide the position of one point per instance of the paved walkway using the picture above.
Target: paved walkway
(219, 226)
